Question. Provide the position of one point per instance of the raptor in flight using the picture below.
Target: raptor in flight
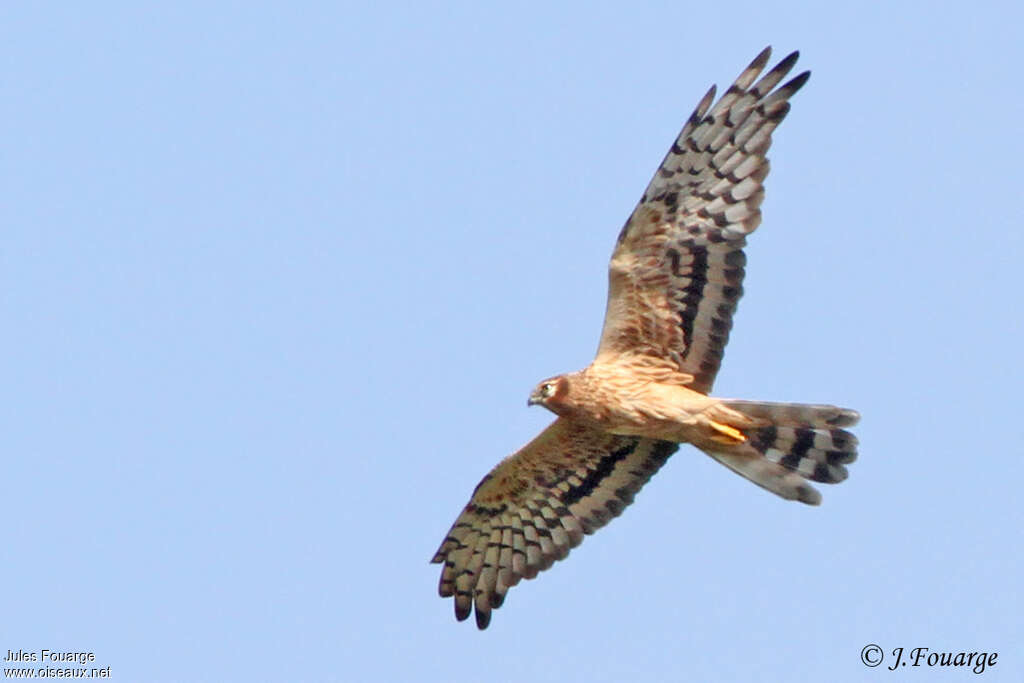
(673, 284)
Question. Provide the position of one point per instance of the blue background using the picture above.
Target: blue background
(277, 281)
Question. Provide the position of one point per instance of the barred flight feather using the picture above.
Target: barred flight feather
(537, 505)
(679, 257)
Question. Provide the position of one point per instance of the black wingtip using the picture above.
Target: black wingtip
(762, 58)
(796, 82)
(784, 66)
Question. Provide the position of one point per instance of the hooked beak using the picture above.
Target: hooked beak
(533, 400)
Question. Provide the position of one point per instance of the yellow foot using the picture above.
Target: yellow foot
(726, 434)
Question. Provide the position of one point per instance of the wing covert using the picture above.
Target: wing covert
(536, 505)
(677, 270)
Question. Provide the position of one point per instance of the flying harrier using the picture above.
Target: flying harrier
(673, 284)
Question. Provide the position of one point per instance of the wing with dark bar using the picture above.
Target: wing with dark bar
(677, 270)
(536, 505)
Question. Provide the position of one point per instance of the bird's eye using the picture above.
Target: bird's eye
(548, 389)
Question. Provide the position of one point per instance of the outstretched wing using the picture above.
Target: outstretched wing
(536, 505)
(677, 270)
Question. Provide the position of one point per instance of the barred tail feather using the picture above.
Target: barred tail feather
(788, 443)
(795, 414)
(768, 475)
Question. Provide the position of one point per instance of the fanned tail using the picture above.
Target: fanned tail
(786, 444)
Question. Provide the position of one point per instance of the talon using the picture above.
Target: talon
(730, 435)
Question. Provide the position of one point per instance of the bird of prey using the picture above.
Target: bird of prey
(673, 284)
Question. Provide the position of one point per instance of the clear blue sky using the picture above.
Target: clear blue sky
(277, 281)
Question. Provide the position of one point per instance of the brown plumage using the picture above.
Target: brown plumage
(674, 281)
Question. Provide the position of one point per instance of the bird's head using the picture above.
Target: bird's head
(551, 394)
